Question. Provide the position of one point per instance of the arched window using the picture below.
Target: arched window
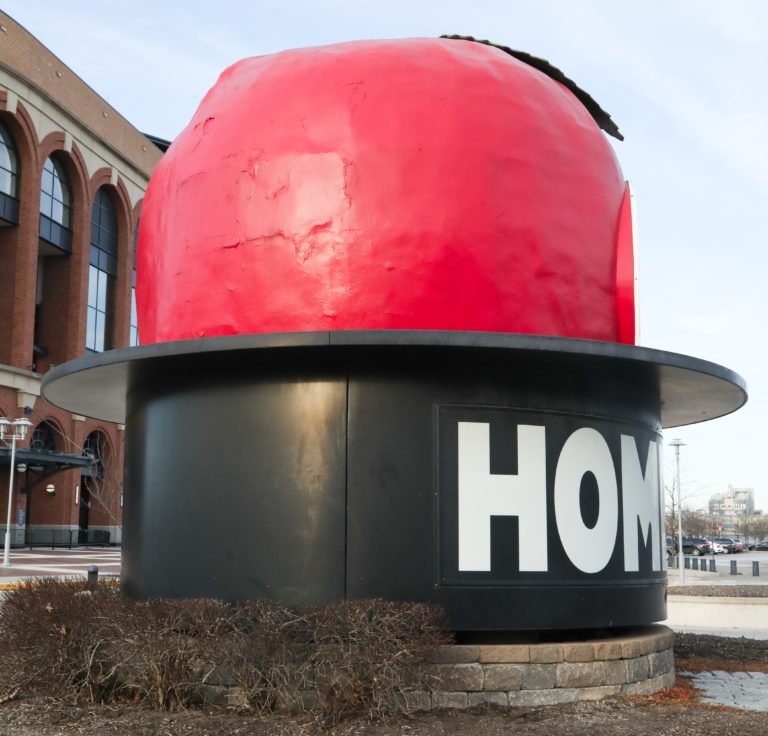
(95, 447)
(9, 178)
(56, 206)
(102, 274)
(43, 438)
(92, 480)
(134, 338)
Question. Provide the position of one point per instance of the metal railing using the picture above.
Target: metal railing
(63, 538)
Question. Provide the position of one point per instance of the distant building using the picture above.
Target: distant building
(734, 502)
(731, 510)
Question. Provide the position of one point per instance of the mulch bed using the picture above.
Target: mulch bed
(703, 653)
(721, 591)
(677, 710)
(673, 711)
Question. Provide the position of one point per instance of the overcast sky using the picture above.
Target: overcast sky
(685, 81)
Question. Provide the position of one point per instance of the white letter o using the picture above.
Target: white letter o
(585, 451)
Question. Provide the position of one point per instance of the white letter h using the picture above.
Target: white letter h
(482, 495)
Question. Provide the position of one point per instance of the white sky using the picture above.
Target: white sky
(684, 80)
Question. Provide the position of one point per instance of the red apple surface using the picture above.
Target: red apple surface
(419, 184)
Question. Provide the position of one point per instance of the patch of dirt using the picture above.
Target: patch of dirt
(737, 651)
(612, 717)
(677, 710)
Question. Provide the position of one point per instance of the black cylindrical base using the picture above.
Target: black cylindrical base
(518, 489)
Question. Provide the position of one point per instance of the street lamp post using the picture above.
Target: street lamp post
(677, 444)
(12, 431)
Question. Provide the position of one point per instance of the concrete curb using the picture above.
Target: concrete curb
(717, 612)
(11, 586)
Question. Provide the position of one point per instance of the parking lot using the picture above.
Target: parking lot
(744, 568)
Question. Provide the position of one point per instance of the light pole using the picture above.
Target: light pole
(677, 444)
(13, 431)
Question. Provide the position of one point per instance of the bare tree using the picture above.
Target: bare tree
(759, 527)
(670, 497)
(701, 522)
(695, 523)
(100, 487)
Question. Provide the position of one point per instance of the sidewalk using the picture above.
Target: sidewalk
(716, 615)
(36, 563)
(721, 577)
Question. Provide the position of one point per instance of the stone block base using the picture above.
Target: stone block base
(511, 675)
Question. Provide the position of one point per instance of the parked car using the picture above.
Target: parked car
(695, 546)
(761, 546)
(718, 548)
(727, 542)
(739, 546)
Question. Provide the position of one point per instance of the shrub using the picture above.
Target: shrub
(61, 639)
(366, 653)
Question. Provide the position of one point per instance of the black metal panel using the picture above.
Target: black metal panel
(55, 234)
(402, 529)
(9, 209)
(235, 487)
(391, 525)
(569, 607)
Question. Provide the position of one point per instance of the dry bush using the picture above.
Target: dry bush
(59, 638)
(169, 647)
(54, 635)
(366, 653)
(270, 662)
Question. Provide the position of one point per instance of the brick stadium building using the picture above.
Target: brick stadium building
(72, 177)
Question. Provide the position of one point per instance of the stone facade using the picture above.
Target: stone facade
(47, 111)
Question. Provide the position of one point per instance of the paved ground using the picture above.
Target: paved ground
(722, 575)
(723, 578)
(27, 563)
(745, 690)
(42, 562)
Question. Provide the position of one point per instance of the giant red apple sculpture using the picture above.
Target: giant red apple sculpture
(415, 184)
